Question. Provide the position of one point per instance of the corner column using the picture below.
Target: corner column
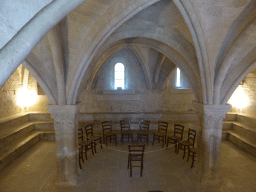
(65, 122)
(209, 141)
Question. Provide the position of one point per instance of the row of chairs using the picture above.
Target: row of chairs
(87, 144)
(126, 132)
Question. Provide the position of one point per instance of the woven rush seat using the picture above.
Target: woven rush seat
(186, 143)
(84, 143)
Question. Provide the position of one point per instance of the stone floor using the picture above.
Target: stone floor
(106, 171)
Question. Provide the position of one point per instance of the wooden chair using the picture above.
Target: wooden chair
(162, 132)
(136, 154)
(84, 145)
(189, 142)
(80, 154)
(90, 136)
(191, 153)
(107, 132)
(144, 130)
(176, 137)
(125, 130)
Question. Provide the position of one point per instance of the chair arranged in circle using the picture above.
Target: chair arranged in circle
(126, 132)
(108, 132)
(160, 135)
(136, 154)
(90, 137)
(84, 146)
(189, 142)
(176, 137)
(144, 130)
(192, 153)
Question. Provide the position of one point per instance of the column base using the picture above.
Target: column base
(209, 180)
(71, 181)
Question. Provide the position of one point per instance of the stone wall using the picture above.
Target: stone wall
(8, 96)
(249, 90)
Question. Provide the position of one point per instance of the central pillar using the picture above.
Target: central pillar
(209, 141)
(66, 143)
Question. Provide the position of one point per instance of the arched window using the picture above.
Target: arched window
(178, 78)
(119, 75)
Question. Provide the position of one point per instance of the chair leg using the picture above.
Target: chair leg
(130, 169)
(85, 152)
(94, 143)
(115, 140)
(128, 165)
(184, 152)
(188, 155)
(80, 156)
(101, 143)
(193, 156)
(153, 139)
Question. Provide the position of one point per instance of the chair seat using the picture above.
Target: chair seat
(143, 132)
(160, 134)
(174, 138)
(84, 143)
(94, 137)
(109, 134)
(186, 143)
(127, 132)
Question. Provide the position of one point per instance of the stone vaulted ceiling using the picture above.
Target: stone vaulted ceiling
(66, 43)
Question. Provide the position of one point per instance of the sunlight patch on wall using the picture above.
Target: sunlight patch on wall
(239, 99)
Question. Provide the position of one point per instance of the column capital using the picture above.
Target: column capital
(62, 111)
(211, 110)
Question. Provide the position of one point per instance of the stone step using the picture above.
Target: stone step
(15, 133)
(242, 142)
(13, 121)
(246, 132)
(40, 117)
(230, 117)
(18, 147)
(227, 125)
(246, 120)
(12, 134)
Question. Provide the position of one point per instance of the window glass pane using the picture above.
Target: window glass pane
(178, 78)
(119, 75)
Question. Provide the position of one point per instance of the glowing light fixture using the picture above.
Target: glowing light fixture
(239, 98)
(26, 97)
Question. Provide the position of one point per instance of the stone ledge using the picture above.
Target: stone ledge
(242, 143)
(20, 147)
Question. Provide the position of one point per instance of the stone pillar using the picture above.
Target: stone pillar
(66, 143)
(209, 141)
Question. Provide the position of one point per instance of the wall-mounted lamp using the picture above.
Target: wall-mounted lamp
(26, 97)
(239, 99)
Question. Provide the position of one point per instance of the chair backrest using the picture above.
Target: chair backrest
(192, 136)
(136, 149)
(162, 126)
(178, 130)
(106, 126)
(125, 125)
(80, 134)
(89, 130)
(144, 125)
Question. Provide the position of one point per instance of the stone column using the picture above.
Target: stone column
(66, 143)
(209, 141)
